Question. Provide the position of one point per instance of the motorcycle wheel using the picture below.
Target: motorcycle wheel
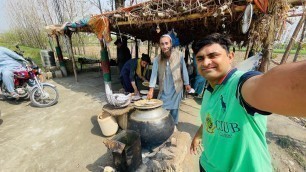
(40, 100)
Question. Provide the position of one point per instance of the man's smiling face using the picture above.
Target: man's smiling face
(165, 44)
(214, 62)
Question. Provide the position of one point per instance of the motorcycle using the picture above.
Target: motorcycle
(28, 85)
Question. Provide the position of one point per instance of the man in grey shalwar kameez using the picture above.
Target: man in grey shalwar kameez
(171, 70)
(10, 62)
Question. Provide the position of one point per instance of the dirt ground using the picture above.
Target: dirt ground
(67, 137)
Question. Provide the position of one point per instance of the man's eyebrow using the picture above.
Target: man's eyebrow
(207, 55)
(212, 53)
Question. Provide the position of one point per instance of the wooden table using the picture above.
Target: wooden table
(121, 114)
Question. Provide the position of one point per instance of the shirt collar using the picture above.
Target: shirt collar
(223, 80)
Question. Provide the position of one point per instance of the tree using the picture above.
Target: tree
(119, 3)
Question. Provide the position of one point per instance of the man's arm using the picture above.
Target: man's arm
(185, 75)
(196, 141)
(281, 90)
(153, 78)
(133, 68)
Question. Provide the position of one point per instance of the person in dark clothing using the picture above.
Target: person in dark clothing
(123, 52)
(133, 70)
(251, 53)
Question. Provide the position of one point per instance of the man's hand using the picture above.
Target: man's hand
(150, 93)
(187, 87)
(136, 92)
(196, 147)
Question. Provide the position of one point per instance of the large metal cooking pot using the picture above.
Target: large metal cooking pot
(155, 126)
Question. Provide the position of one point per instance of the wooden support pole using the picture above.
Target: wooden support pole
(60, 56)
(71, 56)
(247, 52)
(58, 50)
(300, 42)
(148, 47)
(105, 63)
(136, 48)
(106, 69)
(268, 46)
(293, 38)
(50, 42)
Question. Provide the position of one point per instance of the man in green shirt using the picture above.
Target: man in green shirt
(235, 104)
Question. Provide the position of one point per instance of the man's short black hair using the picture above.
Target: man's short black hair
(146, 58)
(215, 38)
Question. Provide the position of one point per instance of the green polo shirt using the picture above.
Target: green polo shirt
(233, 133)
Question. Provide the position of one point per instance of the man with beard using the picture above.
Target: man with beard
(172, 74)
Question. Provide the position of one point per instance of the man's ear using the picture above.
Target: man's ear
(231, 56)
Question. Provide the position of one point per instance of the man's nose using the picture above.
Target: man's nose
(206, 62)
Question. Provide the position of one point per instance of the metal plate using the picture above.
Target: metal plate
(144, 92)
(148, 104)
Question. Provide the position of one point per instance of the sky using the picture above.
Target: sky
(291, 27)
(4, 25)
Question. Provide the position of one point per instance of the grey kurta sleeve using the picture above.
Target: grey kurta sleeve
(13, 55)
(185, 72)
(154, 73)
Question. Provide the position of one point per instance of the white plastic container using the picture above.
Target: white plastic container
(49, 75)
(107, 123)
(63, 69)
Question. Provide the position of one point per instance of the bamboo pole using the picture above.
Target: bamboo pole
(293, 38)
(300, 42)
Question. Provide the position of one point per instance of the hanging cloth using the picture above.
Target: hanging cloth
(175, 39)
(100, 25)
(262, 5)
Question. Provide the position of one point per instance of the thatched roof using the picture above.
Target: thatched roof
(190, 19)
